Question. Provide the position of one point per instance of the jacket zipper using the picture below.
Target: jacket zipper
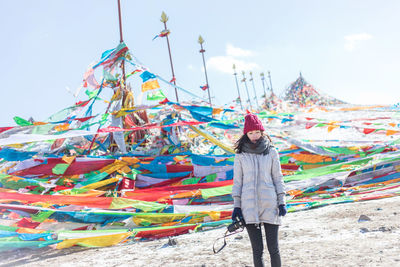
(256, 188)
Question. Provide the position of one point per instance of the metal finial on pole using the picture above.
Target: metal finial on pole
(237, 86)
(262, 82)
(247, 89)
(254, 88)
(201, 41)
(164, 19)
(270, 82)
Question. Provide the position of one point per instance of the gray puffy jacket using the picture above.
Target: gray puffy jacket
(258, 186)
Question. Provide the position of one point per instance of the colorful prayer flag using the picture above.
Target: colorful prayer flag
(163, 33)
(158, 95)
(204, 87)
(150, 85)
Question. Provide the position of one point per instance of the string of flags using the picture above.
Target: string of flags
(147, 171)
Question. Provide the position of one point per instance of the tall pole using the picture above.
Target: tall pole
(247, 89)
(237, 86)
(270, 82)
(121, 39)
(254, 88)
(164, 20)
(201, 41)
(262, 82)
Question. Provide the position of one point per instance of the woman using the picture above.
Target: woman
(258, 189)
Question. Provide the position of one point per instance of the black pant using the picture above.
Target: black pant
(271, 233)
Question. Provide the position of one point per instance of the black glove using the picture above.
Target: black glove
(282, 210)
(237, 214)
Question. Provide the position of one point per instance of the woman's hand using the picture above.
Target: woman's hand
(237, 215)
(282, 210)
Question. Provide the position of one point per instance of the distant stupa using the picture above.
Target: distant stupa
(302, 93)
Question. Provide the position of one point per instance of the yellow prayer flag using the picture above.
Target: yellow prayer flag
(150, 85)
(101, 183)
(96, 241)
(117, 95)
(67, 159)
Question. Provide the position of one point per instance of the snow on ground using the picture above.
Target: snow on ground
(327, 236)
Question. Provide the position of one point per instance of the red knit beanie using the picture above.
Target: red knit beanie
(251, 123)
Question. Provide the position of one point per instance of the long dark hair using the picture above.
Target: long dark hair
(245, 139)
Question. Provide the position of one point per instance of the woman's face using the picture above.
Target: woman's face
(254, 135)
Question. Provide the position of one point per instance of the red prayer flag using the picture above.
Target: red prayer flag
(368, 131)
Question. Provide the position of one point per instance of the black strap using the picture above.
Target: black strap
(224, 237)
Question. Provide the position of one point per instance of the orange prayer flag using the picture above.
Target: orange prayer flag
(39, 123)
(24, 230)
(217, 111)
(130, 160)
(62, 127)
(391, 132)
(331, 127)
(310, 158)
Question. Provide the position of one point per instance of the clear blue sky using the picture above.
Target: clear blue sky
(346, 48)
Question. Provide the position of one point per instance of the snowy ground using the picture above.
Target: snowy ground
(327, 236)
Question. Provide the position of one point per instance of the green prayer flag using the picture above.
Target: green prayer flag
(193, 180)
(340, 150)
(104, 118)
(60, 168)
(93, 94)
(22, 122)
(26, 244)
(132, 175)
(93, 177)
(217, 191)
(41, 216)
(120, 203)
(211, 177)
(284, 159)
(157, 95)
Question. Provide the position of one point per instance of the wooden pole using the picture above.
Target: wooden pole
(247, 89)
(270, 82)
(254, 88)
(262, 82)
(201, 41)
(164, 20)
(121, 39)
(237, 86)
